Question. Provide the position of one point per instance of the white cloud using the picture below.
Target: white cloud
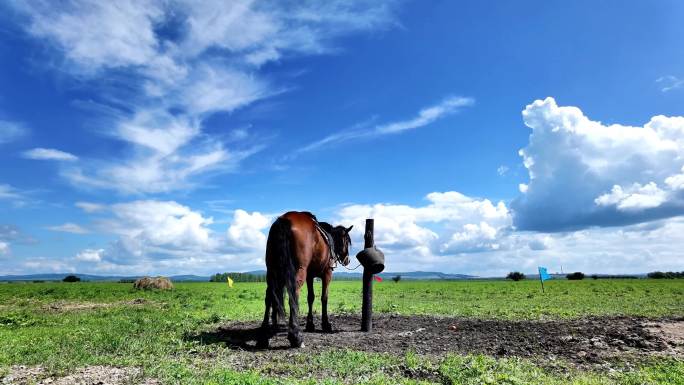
(14, 196)
(214, 88)
(157, 236)
(456, 233)
(502, 170)
(191, 58)
(11, 235)
(166, 159)
(585, 173)
(247, 230)
(8, 192)
(95, 34)
(636, 197)
(450, 223)
(90, 255)
(669, 83)
(426, 116)
(10, 131)
(90, 207)
(49, 154)
(69, 228)
(266, 31)
(451, 232)
(161, 224)
(472, 237)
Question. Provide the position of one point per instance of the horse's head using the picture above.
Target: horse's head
(342, 243)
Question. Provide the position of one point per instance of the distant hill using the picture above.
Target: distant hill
(412, 275)
(90, 277)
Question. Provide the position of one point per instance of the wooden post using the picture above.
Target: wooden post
(367, 306)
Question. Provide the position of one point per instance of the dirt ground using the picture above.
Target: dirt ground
(583, 342)
(92, 375)
(65, 306)
(598, 343)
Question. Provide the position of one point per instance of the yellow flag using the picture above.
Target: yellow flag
(230, 282)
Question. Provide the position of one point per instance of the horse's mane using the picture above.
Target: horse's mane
(326, 226)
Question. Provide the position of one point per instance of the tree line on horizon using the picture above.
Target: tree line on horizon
(237, 277)
(578, 275)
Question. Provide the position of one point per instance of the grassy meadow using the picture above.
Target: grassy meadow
(63, 326)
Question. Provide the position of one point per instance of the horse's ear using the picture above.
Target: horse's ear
(349, 229)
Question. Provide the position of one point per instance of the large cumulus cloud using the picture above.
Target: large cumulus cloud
(583, 173)
(152, 235)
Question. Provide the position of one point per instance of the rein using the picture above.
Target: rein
(357, 266)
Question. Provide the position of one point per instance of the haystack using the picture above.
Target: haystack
(145, 283)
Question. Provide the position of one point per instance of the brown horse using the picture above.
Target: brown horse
(299, 249)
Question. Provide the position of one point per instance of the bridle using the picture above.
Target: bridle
(330, 242)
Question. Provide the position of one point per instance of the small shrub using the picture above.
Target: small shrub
(396, 278)
(594, 276)
(576, 276)
(71, 278)
(515, 276)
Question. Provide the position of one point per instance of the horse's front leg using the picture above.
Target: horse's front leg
(310, 327)
(327, 277)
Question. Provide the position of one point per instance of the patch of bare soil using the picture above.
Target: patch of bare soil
(582, 342)
(65, 306)
(91, 375)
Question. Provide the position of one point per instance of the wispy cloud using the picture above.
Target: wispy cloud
(10, 131)
(69, 228)
(90, 207)
(178, 76)
(10, 193)
(423, 118)
(670, 82)
(49, 154)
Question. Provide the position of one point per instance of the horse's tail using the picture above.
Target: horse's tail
(279, 253)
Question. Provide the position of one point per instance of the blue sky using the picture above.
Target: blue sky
(163, 137)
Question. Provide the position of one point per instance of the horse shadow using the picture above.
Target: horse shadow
(245, 338)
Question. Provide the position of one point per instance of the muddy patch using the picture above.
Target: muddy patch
(671, 331)
(91, 375)
(582, 342)
(65, 306)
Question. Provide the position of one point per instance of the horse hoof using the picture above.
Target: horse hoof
(310, 327)
(327, 328)
(296, 340)
(262, 344)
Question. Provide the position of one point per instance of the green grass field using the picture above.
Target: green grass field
(64, 326)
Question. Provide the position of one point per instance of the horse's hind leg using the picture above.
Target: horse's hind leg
(280, 295)
(310, 327)
(294, 335)
(325, 322)
(268, 302)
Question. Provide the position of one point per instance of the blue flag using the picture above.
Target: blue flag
(543, 275)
